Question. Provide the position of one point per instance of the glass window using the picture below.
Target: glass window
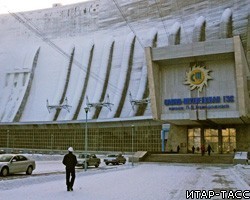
(197, 132)
(190, 133)
(224, 132)
(228, 140)
(211, 132)
(194, 139)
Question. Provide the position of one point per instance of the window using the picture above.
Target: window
(228, 140)
(194, 139)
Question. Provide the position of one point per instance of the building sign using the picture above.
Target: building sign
(197, 77)
(201, 103)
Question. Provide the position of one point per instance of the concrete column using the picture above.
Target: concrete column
(154, 83)
(202, 136)
(242, 71)
(248, 41)
(220, 140)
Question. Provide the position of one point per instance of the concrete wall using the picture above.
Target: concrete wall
(243, 138)
(177, 136)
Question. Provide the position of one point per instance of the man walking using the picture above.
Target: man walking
(209, 149)
(70, 162)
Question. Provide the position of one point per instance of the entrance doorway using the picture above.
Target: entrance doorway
(194, 139)
(221, 140)
(211, 136)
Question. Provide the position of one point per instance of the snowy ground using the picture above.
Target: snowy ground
(143, 181)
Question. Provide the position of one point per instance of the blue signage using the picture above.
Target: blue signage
(212, 102)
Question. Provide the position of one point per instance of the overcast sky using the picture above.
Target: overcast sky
(26, 5)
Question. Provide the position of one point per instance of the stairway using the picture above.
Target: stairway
(189, 158)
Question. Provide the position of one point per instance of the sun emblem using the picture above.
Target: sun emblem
(197, 77)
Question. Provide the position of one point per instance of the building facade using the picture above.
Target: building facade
(137, 65)
(203, 89)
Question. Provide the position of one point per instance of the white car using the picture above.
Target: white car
(114, 159)
(16, 163)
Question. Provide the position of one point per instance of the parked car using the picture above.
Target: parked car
(16, 163)
(2, 151)
(114, 159)
(92, 160)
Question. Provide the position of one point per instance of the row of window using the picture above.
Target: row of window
(144, 138)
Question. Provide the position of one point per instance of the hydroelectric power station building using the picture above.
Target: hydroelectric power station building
(152, 75)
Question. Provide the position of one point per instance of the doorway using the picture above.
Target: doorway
(221, 140)
(194, 139)
(211, 136)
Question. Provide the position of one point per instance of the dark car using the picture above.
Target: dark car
(92, 160)
(16, 163)
(114, 159)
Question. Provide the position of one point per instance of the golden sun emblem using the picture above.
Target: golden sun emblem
(197, 77)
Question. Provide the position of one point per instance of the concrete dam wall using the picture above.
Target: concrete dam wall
(83, 53)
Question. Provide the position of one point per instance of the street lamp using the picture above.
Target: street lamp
(86, 137)
(133, 144)
(8, 139)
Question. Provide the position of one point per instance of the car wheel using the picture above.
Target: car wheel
(29, 170)
(106, 163)
(5, 171)
(96, 165)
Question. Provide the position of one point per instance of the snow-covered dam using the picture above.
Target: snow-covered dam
(45, 67)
